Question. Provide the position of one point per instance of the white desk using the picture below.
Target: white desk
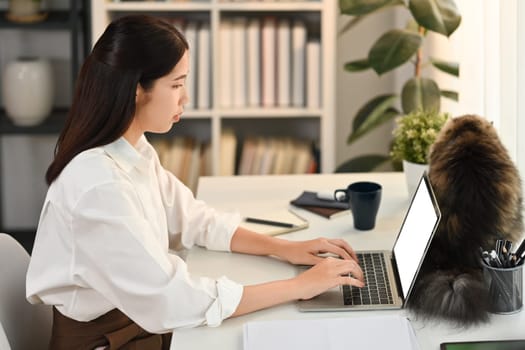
(252, 195)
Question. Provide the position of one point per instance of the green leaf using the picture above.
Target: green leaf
(350, 24)
(412, 26)
(447, 67)
(420, 93)
(453, 95)
(378, 104)
(362, 163)
(357, 66)
(392, 49)
(440, 16)
(363, 7)
(376, 112)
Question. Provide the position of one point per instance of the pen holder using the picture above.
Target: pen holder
(505, 288)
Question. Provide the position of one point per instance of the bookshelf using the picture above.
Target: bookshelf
(72, 19)
(209, 121)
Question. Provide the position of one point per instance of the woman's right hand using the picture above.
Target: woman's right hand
(329, 273)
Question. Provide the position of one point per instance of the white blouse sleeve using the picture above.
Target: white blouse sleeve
(115, 255)
(198, 223)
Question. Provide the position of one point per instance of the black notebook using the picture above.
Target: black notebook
(327, 208)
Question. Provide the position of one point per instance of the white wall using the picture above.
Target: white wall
(355, 89)
(520, 76)
(491, 54)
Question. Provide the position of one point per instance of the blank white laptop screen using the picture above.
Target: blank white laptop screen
(414, 238)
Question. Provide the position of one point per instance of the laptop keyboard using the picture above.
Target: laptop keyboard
(377, 289)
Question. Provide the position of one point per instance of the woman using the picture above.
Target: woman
(101, 252)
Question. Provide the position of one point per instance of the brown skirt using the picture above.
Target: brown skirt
(114, 330)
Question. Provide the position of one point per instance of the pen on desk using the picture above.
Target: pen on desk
(269, 222)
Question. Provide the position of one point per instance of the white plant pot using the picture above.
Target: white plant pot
(413, 173)
(28, 90)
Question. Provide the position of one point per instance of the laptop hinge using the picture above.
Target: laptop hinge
(397, 277)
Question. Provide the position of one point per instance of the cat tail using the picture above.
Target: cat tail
(457, 296)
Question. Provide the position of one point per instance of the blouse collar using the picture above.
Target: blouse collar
(127, 156)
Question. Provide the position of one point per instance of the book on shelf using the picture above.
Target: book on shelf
(206, 160)
(267, 159)
(238, 62)
(283, 62)
(313, 74)
(268, 61)
(253, 42)
(190, 32)
(276, 155)
(225, 63)
(227, 152)
(204, 82)
(264, 62)
(247, 156)
(161, 147)
(193, 170)
(174, 156)
(185, 157)
(302, 159)
(329, 209)
(298, 59)
(275, 222)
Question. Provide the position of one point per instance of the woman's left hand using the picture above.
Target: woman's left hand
(307, 252)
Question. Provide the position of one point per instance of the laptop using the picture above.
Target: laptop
(389, 275)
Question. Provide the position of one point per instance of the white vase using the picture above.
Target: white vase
(28, 90)
(413, 173)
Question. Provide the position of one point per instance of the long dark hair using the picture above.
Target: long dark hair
(136, 49)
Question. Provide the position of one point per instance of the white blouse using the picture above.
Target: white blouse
(103, 236)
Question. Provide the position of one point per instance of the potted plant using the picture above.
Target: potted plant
(392, 50)
(413, 135)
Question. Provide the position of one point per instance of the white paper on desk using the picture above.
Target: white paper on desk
(374, 332)
(282, 215)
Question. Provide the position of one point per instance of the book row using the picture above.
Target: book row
(268, 62)
(185, 157)
(188, 158)
(263, 62)
(257, 155)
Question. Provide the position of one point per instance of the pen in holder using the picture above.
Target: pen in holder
(503, 276)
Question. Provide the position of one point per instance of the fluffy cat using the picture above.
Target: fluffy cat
(478, 190)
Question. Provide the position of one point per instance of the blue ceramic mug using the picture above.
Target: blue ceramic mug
(364, 198)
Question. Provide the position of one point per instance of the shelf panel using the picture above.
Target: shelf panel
(157, 6)
(56, 20)
(51, 125)
(270, 112)
(290, 6)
